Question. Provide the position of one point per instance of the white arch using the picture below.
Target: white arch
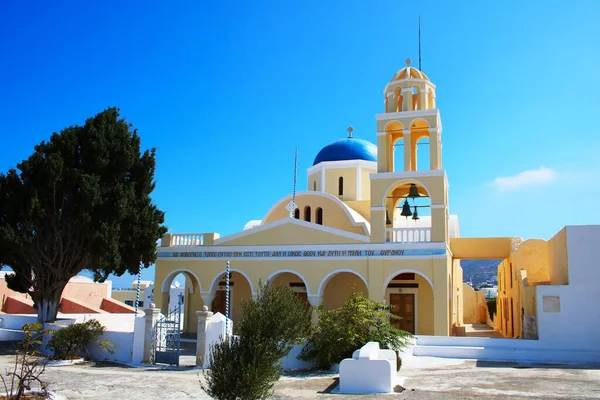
(166, 285)
(217, 278)
(291, 271)
(330, 275)
(401, 271)
(407, 180)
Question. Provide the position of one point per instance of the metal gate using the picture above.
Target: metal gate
(166, 337)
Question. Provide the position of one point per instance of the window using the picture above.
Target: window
(341, 186)
(297, 213)
(129, 303)
(307, 213)
(315, 186)
(141, 304)
(319, 216)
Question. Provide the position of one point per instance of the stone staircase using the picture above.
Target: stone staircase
(496, 349)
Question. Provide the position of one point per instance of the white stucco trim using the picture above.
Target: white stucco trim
(407, 114)
(327, 278)
(293, 272)
(322, 180)
(283, 221)
(355, 218)
(218, 277)
(341, 164)
(408, 174)
(377, 208)
(400, 271)
(415, 293)
(165, 287)
(438, 206)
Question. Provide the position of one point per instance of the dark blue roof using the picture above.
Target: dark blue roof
(347, 149)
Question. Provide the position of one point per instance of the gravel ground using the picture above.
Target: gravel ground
(469, 380)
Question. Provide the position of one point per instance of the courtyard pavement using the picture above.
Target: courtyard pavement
(426, 378)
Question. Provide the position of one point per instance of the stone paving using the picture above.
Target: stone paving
(426, 378)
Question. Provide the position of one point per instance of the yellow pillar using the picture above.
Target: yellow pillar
(315, 302)
(376, 280)
(439, 223)
(407, 150)
(378, 224)
(408, 103)
(434, 149)
(382, 149)
(441, 299)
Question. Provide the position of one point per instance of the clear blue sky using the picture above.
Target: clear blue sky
(225, 90)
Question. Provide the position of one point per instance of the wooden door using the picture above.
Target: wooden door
(403, 305)
(218, 304)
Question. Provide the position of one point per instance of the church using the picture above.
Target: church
(375, 219)
(370, 222)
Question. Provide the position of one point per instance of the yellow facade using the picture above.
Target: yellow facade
(345, 234)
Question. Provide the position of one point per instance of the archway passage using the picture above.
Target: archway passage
(339, 287)
(293, 281)
(182, 286)
(410, 297)
(239, 290)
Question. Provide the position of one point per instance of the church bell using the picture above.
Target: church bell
(413, 192)
(406, 209)
(415, 214)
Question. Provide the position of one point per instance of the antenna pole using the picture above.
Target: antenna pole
(291, 206)
(420, 43)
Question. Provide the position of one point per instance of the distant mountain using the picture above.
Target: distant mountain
(480, 271)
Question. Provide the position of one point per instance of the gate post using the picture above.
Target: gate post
(152, 315)
(204, 317)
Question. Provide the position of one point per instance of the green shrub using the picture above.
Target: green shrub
(343, 330)
(68, 343)
(491, 305)
(245, 367)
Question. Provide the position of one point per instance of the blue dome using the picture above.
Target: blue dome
(347, 149)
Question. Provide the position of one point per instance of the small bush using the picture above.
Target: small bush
(68, 343)
(246, 366)
(240, 372)
(343, 330)
(28, 366)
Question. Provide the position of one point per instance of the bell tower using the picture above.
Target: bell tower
(408, 199)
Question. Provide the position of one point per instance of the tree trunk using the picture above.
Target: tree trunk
(48, 304)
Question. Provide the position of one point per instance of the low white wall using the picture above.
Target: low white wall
(123, 342)
(575, 323)
(291, 361)
(112, 322)
(16, 321)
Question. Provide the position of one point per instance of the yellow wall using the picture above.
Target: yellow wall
(480, 248)
(333, 214)
(122, 295)
(332, 176)
(291, 233)
(475, 306)
(557, 259)
(532, 256)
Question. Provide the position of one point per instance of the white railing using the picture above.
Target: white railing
(408, 235)
(187, 239)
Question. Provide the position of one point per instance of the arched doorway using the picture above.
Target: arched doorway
(409, 293)
(337, 287)
(291, 279)
(182, 285)
(240, 289)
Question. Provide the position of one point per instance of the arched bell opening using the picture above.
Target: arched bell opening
(408, 213)
(419, 131)
(395, 146)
